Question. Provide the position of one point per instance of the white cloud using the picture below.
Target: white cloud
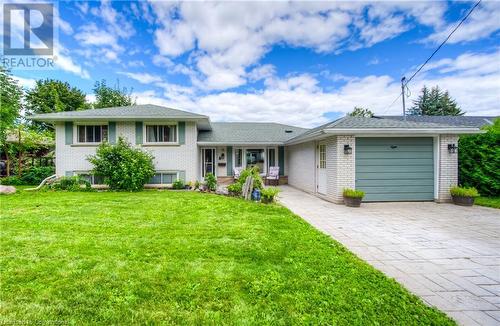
(225, 39)
(25, 82)
(299, 100)
(483, 22)
(63, 61)
(143, 78)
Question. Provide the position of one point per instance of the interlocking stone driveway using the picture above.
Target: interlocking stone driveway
(448, 255)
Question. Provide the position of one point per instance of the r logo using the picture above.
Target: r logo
(28, 29)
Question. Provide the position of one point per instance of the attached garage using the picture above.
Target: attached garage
(395, 169)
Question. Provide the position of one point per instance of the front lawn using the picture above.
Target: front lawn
(488, 201)
(183, 258)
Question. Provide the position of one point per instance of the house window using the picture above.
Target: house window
(255, 157)
(238, 157)
(92, 179)
(271, 157)
(163, 178)
(92, 133)
(161, 133)
(322, 156)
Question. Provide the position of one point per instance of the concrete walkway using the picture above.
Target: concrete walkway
(446, 254)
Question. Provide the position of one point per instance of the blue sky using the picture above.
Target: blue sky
(300, 63)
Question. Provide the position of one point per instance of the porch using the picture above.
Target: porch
(223, 160)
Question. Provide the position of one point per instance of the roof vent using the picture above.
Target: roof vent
(288, 131)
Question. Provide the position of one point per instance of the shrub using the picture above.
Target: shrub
(269, 194)
(74, 183)
(352, 193)
(11, 181)
(464, 191)
(479, 159)
(178, 184)
(254, 173)
(211, 182)
(197, 185)
(122, 166)
(36, 174)
(235, 189)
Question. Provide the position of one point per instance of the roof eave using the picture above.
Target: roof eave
(357, 131)
(249, 143)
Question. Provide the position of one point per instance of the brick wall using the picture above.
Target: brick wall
(345, 167)
(448, 167)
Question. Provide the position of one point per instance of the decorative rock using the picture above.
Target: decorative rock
(7, 190)
(222, 190)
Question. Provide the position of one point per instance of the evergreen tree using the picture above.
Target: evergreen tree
(435, 102)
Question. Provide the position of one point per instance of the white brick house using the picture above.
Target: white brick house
(389, 159)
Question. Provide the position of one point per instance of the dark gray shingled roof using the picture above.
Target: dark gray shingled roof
(470, 121)
(249, 132)
(134, 111)
(349, 122)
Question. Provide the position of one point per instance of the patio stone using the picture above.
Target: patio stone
(447, 255)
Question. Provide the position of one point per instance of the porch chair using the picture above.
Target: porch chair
(273, 175)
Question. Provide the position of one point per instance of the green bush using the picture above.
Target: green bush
(235, 189)
(269, 194)
(352, 193)
(11, 181)
(254, 173)
(211, 182)
(74, 183)
(178, 184)
(464, 192)
(479, 159)
(36, 174)
(122, 166)
(197, 185)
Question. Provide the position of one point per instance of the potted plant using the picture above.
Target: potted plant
(269, 194)
(463, 196)
(352, 197)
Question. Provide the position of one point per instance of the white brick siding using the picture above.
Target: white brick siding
(302, 166)
(448, 167)
(177, 157)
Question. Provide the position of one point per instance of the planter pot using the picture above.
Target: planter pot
(463, 200)
(352, 202)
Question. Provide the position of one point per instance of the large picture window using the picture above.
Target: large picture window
(92, 133)
(161, 133)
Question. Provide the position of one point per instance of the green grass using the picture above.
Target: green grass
(488, 201)
(184, 258)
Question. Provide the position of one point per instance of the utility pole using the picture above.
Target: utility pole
(403, 96)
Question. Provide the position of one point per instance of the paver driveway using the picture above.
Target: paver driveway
(446, 254)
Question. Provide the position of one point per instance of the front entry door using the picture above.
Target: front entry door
(208, 159)
(321, 168)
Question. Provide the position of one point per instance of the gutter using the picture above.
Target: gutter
(352, 131)
(229, 143)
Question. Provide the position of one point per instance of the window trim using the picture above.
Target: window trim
(160, 123)
(76, 142)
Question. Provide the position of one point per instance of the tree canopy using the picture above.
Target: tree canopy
(109, 97)
(10, 102)
(51, 95)
(361, 112)
(435, 102)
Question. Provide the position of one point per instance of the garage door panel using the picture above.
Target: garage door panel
(394, 154)
(398, 168)
(398, 197)
(400, 189)
(405, 177)
(395, 169)
(392, 182)
(393, 161)
(387, 141)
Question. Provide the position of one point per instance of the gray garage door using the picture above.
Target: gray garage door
(395, 169)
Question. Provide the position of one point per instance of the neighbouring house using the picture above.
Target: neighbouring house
(388, 158)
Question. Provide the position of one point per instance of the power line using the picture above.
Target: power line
(433, 53)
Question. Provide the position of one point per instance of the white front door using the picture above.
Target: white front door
(321, 169)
